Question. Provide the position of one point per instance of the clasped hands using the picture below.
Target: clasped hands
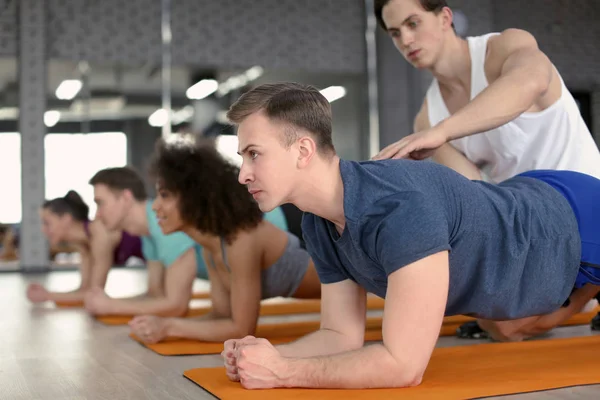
(255, 363)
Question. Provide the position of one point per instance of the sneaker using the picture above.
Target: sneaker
(595, 324)
(471, 330)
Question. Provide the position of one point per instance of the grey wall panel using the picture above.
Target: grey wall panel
(8, 27)
(141, 140)
(32, 104)
(567, 31)
(311, 35)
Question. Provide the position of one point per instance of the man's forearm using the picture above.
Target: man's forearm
(378, 369)
(452, 158)
(207, 328)
(320, 343)
(501, 102)
(160, 306)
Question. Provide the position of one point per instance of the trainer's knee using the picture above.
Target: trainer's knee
(503, 331)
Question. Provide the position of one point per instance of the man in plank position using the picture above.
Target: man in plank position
(409, 232)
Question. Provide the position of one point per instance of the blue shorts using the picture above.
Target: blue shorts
(583, 194)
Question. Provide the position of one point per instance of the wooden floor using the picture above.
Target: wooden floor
(48, 353)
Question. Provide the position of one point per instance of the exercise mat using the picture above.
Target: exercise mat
(462, 372)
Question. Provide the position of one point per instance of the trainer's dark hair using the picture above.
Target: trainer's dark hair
(296, 105)
(121, 178)
(206, 186)
(434, 6)
(71, 204)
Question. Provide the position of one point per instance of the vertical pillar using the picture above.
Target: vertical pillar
(32, 106)
(372, 84)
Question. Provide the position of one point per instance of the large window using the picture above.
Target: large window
(72, 159)
(10, 178)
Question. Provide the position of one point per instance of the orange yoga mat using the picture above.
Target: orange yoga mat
(267, 309)
(462, 372)
(68, 304)
(287, 332)
(276, 333)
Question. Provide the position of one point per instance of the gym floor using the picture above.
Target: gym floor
(49, 353)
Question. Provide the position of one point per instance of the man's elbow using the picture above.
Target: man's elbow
(540, 81)
(405, 375)
(352, 342)
(538, 76)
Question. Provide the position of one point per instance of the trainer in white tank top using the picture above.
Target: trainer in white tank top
(555, 138)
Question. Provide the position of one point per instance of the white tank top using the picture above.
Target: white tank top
(555, 138)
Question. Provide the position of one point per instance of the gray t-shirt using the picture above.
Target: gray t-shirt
(514, 247)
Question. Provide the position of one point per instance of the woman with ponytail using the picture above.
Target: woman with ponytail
(65, 220)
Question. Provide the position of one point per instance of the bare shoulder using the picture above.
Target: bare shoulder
(243, 249)
(510, 40)
(501, 47)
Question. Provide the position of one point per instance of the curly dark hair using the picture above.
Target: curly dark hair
(209, 194)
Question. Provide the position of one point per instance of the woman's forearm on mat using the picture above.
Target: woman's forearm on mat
(320, 343)
(208, 328)
(161, 306)
(67, 297)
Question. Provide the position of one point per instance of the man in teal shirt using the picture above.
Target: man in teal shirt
(172, 260)
(122, 203)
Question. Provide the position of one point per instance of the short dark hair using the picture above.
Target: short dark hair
(434, 6)
(71, 204)
(121, 178)
(209, 195)
(297, 105)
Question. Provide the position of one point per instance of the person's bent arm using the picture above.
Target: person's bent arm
(78, 295)
(343, 314)
(179, 278)
(102, 247)
(235, 312)
(525, 75)
(414, 310)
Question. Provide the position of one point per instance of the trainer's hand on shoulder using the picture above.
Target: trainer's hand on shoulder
(417, 146)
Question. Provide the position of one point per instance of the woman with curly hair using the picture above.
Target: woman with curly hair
(248, 258)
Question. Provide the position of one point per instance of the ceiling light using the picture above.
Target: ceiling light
(158, 118)
(68, 89)
(333, 93)
(51, 118)
(202, 89)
